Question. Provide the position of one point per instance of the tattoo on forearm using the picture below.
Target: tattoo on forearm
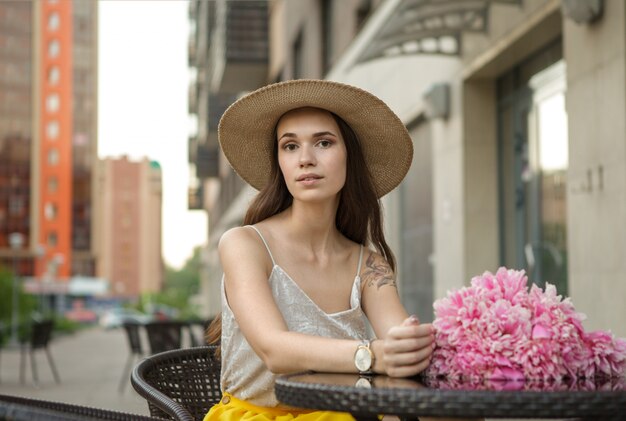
(378, 272)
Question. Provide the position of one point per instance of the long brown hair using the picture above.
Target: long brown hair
(358, 216)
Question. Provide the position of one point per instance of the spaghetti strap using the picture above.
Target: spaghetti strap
(264, 242)
(358, 269)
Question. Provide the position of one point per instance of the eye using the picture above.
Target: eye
(324, 143)
(289, 147)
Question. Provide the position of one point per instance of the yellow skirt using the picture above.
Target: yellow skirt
(232, 409)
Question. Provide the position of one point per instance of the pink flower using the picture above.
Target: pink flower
(498, 328)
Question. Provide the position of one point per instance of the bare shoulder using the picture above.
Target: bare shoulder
(241, 241)
(376, 271)
(236, 237)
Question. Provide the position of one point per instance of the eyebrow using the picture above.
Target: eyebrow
(318, 134)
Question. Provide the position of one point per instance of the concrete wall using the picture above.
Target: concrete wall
(595, 101)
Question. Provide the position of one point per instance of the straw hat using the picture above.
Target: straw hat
(246, 130)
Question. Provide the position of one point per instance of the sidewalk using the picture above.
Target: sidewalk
(90, 364)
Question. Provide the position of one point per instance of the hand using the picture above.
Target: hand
(408, 347)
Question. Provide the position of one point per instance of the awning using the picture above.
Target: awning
(429, 27)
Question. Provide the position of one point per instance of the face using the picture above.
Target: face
(311, 154)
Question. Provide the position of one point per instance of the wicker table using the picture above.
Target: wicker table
(411, 398)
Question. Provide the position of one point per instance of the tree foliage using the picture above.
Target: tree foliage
(180, 285)
(27, 303)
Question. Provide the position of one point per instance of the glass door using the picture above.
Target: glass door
(533, 157)
(546, 253)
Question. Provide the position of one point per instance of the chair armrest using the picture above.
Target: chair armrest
(28, 409)
(154, 396)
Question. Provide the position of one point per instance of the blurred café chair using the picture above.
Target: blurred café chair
(38, 338)
(132, 330)
(164, 335)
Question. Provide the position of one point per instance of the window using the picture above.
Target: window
(50, 211)
(16, 205)
(53, 156)
(53, 239)
(53, 103)
(54, 75)
(54, 48)
(53, 21)
(52, 130)
(53, 184)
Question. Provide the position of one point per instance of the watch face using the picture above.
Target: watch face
(363, 359)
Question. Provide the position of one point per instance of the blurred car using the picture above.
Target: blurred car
(162, 311)
(116, 317)
(81, 314)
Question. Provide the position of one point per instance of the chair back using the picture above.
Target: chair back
(134, 339)
(41, 333)
(164, 335)
(181, 384)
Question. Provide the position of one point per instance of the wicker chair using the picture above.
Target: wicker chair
(181, 384)
(27, 409)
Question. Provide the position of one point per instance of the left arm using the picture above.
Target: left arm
(406, 344)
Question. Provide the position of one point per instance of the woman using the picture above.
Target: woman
(300, 277)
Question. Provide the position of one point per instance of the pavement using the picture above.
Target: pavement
(90, 363)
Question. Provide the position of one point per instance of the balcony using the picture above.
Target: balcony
(192, 143)
(192, 98)
(193, 9)
(195, 198)
(230, 187)
(217, 105)
(192, 50)
(239, 47)
(207, 161)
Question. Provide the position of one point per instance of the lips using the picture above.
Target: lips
(308, 177)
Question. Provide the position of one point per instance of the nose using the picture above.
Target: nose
(307, 157)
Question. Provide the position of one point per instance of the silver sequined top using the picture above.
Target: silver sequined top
(243, 373)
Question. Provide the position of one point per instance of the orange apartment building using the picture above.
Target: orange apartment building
(48, 137)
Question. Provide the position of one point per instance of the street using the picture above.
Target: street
(90, 364)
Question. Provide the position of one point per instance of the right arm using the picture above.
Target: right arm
(261, 322)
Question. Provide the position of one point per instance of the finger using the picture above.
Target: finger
(393, 346)
(413, 331)
(407, 370)
(408, 358)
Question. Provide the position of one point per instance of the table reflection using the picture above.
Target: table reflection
(446, 383)
(593, 384)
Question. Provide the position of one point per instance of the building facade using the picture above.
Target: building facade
(520, 105)
(129, 232)
(516, 109)
(48, 136)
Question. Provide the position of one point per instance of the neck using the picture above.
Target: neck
(313, 226)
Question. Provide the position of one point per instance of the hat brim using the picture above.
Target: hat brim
(246, 129)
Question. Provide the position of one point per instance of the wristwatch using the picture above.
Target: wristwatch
(364, 357)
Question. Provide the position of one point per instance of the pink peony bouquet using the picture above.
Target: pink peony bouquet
(499, 329)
